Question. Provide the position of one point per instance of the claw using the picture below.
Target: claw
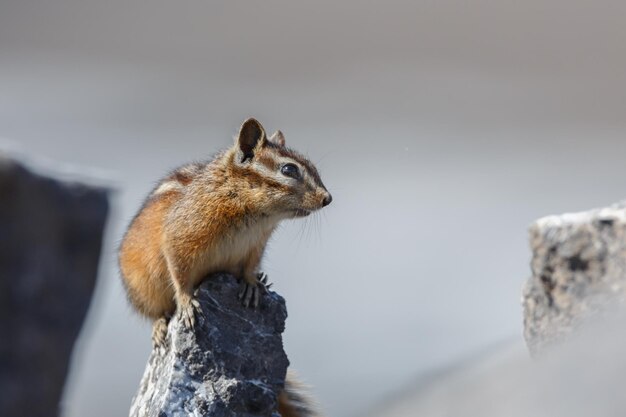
(257, 292)
(263, 280)
(242, 291)
(250, 294)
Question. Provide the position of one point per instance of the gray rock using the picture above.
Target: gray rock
(231, 364)
(578, 270)
(50, 240)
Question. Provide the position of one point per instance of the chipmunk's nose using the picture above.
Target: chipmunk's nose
(327, 200)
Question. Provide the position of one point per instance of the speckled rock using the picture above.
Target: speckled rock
(50, 240)
(231, 364)
(579, 272)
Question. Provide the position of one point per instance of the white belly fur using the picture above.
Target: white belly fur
(231, 252)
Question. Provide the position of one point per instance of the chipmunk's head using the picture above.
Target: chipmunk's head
(288, 183)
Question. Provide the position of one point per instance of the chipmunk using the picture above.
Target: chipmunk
(216, 216)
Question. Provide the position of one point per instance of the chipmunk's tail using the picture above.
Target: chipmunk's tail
(294, 400)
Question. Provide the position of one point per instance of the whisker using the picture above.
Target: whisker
(321, 159)
(308, 228)
(301, 234)
(318, 227)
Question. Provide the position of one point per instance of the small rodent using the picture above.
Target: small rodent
(215, 216)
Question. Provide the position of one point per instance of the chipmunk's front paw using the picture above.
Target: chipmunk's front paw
(262, 281)
(251, 293)
(188, 311)
(159, 332)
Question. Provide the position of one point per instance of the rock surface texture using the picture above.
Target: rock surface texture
(579, 269)
(50, 240)
(231, 364)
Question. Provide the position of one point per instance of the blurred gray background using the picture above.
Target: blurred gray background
(442, 128)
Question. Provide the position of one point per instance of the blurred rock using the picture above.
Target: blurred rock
(50, 240)
(231, 364)
(578, 267)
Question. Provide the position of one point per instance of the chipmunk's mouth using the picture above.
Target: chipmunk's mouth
(301, 213)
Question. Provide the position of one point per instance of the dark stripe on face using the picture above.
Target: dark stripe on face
(255, 179)
(308, 165)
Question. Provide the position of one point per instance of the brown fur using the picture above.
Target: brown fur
(214, 217)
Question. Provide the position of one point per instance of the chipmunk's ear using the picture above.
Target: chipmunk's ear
(278, 138)
(251, 137)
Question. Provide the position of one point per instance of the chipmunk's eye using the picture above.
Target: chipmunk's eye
(290, 170)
